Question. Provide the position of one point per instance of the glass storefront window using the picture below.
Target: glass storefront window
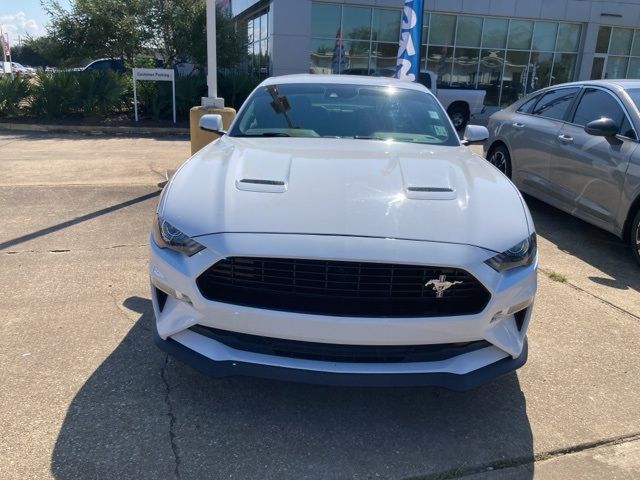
(383, 55)
(425, 28)
(602, 44)
(539, 70)
(616, 67)
(564, 67)
(325, 20)
(620, 56)
(325, 56)
(443, 28)
(505, 57)
(520, 33)
(544, 36)
(465, 67)
(568, 37)
(469, 31)
(357, 55)
(634, 68)
(515, 77)
(356, 23)
(635, 50)
(621, 39)
(490, 75)
(494, 34)
(439, 61)
(386, 25)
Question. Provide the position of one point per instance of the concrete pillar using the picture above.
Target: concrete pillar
(289, 44)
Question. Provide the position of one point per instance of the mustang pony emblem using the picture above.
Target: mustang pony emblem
(440, 285)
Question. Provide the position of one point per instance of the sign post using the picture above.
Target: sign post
(154, 75)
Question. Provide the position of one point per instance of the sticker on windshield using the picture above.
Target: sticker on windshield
(440, 130)
(434, 115)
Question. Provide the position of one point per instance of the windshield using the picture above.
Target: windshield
(344, 111)
(634, 93)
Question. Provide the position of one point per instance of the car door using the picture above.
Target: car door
(534, 130)
(588, 171)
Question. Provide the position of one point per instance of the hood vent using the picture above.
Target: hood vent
(261, 185)
(430, 189)
(431, 193)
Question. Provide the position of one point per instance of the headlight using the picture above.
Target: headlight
(522, 254)
(168, 236)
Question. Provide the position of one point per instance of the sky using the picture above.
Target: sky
(24, 17)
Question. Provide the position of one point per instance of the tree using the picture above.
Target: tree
(101, 28)
(39, 51)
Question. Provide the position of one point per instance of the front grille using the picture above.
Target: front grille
(328, 352)
(353, 289)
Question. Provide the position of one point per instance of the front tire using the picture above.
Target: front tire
(635, 237)
(459, 116)
(499, 157)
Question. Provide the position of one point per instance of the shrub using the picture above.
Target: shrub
(100, 93)
(13, 92)
(189, 90)
(54, 95)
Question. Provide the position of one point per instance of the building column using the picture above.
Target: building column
(289, 36)
(588, 50)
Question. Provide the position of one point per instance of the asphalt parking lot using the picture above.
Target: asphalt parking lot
(86, 394)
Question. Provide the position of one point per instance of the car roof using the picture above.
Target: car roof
(344, 80)
(608, 83)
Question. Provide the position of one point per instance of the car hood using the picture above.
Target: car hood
(345, 187)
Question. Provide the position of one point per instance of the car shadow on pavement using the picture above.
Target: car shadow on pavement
(144, 415)
(595, 246)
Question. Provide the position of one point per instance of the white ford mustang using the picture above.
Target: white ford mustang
(340, 233)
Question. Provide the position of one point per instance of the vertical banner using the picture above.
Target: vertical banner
(408, 64)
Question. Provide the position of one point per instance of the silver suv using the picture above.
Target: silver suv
(575, 146)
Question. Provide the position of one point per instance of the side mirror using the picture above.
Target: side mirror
(211, 123)
(475, 134)
(603, 127)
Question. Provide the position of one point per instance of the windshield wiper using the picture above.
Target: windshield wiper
(265, 134)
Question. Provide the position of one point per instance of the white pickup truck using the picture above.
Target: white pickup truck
(460, 103)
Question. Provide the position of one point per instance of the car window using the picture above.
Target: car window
(596, 104)
(345, 111)
(526, 106)
(556, 103)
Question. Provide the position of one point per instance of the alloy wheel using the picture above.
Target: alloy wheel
(499, 160)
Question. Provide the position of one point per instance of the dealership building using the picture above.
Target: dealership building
(506, 47)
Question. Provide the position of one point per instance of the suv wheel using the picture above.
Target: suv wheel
(635, 237)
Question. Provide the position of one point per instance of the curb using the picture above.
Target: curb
(93, 129)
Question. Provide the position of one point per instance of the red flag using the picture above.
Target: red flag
(5, 46)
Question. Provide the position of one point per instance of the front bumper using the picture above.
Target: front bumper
(506, 335)
(230, 368)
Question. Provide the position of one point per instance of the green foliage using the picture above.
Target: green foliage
(54, 95)
(13, 92)
(100, 92)
(189, 91)
(235, 86)
(40, 51)
(90, 93)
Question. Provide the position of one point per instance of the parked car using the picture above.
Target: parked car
(575, 146)
(340, 233)
(460, 103)
(21, 70)
(106, 64)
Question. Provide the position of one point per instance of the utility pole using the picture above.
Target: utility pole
(212, 65)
